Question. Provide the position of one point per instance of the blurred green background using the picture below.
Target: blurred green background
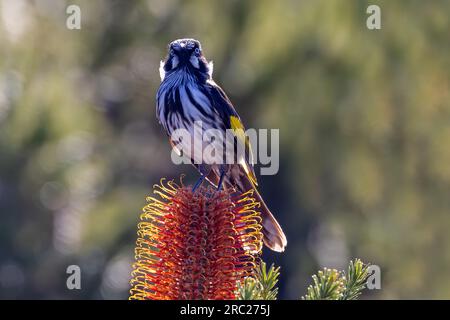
(364, 119)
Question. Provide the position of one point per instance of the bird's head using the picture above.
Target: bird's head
(186, 53)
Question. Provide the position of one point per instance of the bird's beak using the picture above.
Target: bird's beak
(181, 52)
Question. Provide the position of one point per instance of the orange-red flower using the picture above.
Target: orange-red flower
(195, 245)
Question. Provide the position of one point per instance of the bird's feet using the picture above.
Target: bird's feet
(222, 170)
(204, 171)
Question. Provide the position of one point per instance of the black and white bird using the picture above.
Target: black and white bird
(188, 95)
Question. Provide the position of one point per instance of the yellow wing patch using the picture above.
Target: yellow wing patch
(238, 128)
(239, 132)
(236, 123)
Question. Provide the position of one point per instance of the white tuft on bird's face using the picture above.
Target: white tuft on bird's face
(185, 53)
(194, 61)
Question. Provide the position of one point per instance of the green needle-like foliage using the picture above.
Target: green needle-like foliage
(331, 284)
(249, 290)
(262, 286)
(328, 285)
(355, 280)
(268, 280)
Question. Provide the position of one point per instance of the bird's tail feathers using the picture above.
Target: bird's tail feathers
(274, 237)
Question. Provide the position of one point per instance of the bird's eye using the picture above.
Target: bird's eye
(197, 51)
(171, 52)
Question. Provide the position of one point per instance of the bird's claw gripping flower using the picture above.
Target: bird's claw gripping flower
(195, 245)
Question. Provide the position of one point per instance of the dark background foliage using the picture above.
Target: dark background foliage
(364, 123)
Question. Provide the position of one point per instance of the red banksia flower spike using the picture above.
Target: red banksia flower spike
(195, 245)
